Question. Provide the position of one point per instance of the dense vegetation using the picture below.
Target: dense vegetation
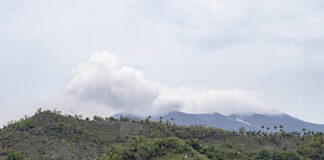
(50, 135)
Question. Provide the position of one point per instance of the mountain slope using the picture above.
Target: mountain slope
(234, 122)
(289, 123)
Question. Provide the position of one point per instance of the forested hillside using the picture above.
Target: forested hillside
(51, 135)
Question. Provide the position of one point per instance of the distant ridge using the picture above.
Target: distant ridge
(234, 121)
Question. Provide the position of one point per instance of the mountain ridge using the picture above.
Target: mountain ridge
(235, 121)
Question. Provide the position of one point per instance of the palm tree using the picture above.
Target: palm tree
(172, 119)
(281, 128)
(147, 119)
(161, 118)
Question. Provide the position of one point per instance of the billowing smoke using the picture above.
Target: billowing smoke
(105, 85)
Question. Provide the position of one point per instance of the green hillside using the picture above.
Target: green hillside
(50, 135)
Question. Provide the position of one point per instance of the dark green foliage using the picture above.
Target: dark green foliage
(50, 135)
(146, 148)
(97, 118)
(124, 119)
(60, 126)
(263, 155)
(29, 123)
(12, 155)
(313, 149)
(197, 146)
(112, 119)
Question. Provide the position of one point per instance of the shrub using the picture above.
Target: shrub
(263, 155)
(29, 124)
(13, 156)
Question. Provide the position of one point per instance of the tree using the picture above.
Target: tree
(196, 145)
(13, 156)
(161, 120)
(29, 124)
(263, 155)
(242, 131)
(111, 118)
(97, 118)
(124, 118)
(39, 110)
(281, 127)
(147, 119)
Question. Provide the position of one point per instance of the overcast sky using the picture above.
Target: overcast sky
(103, 56)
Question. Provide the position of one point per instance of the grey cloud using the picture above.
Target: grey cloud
(209, 24)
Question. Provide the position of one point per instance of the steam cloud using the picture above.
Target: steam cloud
(105, 85)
